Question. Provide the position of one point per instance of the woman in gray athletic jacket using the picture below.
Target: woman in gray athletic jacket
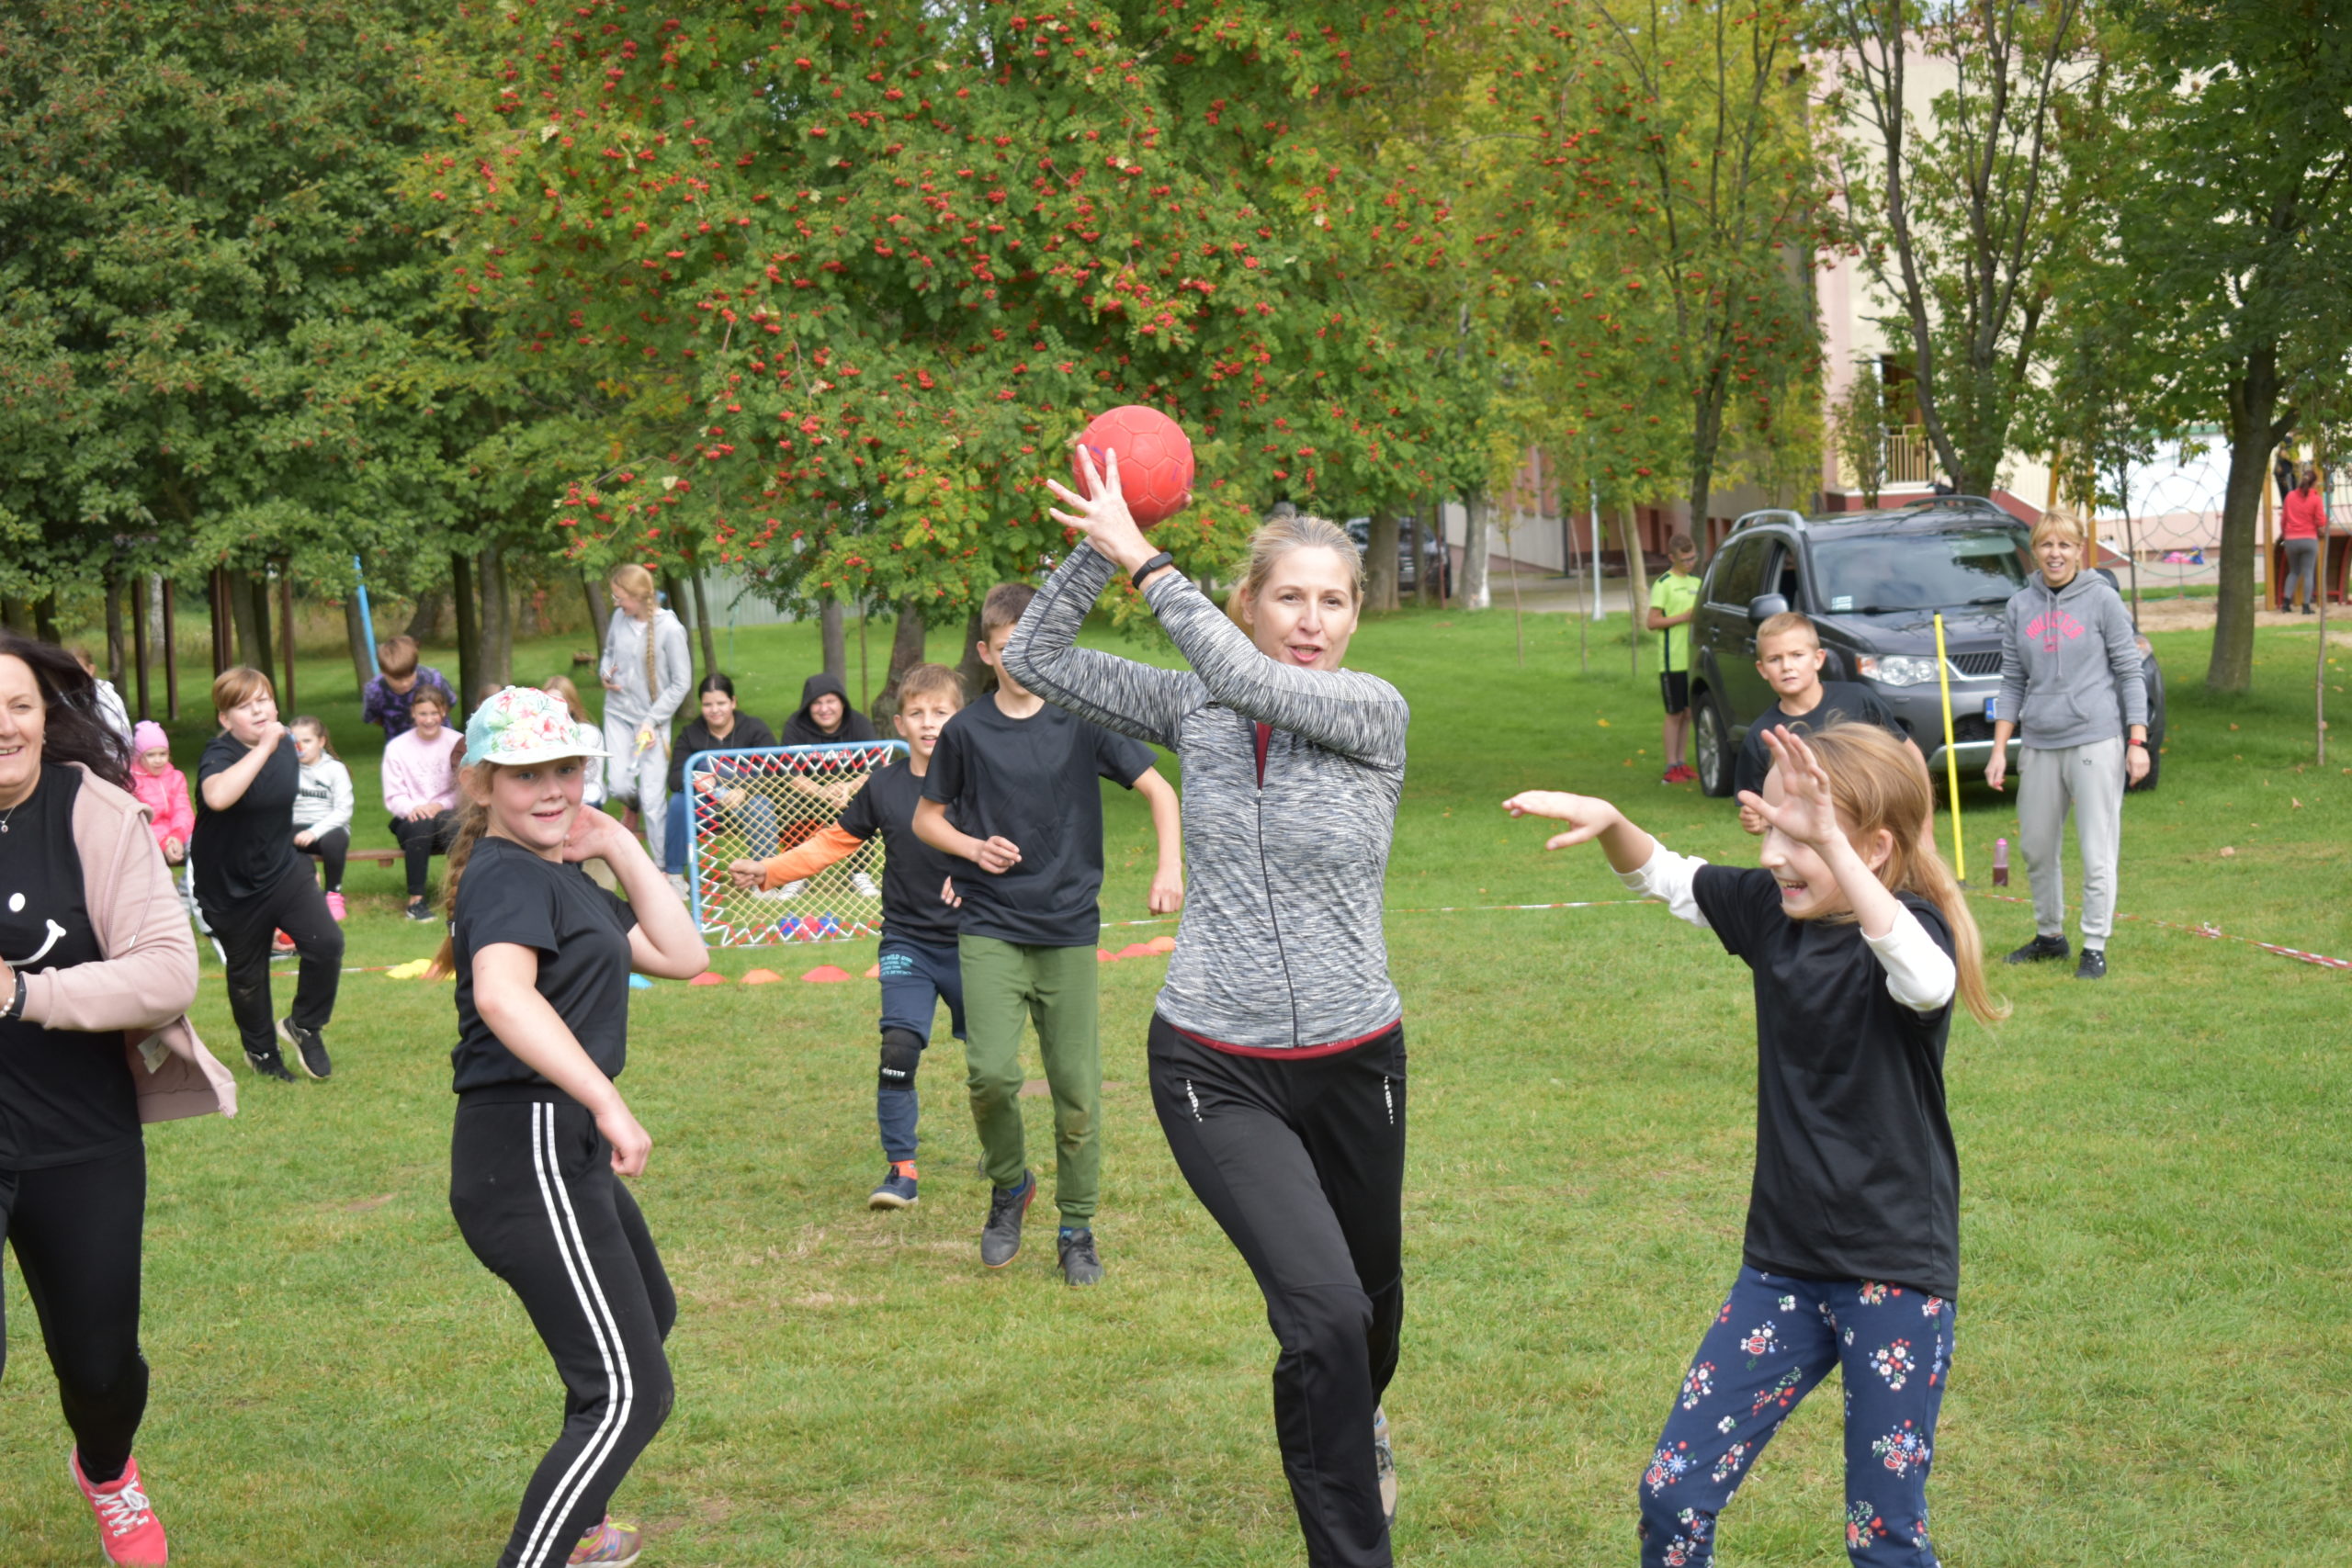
(1277, 1048)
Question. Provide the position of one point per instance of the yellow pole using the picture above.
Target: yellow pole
(1951, 756)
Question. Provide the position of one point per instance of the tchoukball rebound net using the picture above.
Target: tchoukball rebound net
(755, 803)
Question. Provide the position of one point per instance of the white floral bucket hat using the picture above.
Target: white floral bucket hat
(522, 725)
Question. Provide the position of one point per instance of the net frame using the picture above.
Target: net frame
(841, 903)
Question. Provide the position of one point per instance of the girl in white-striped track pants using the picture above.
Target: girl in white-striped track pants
(542, 958)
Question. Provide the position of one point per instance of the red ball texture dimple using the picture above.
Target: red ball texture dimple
(1155, 460)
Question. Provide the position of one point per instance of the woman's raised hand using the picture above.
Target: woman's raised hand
(1102, 513)
(1588, 816)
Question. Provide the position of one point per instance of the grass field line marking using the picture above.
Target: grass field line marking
(2209, 930)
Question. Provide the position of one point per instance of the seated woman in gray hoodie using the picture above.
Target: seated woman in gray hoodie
(2073, 692)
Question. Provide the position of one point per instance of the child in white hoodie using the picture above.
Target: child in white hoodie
(322, 803)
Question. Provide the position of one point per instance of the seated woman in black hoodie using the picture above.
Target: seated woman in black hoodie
(721, 727)
(825, 719)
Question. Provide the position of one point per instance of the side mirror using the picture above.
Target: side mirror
(1764, 606)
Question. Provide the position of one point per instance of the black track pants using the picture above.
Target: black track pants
(420, 841)
(332, 851)
(1303, 1164)
(297, 908)
(531, 1184)
(75, 1230)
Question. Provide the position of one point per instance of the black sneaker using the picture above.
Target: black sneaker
(1001, 1237)
(268, 1065)
(1080, 1264)
(309, 1049)
(897, 1189)
(2094, 964)
(419, 910)
(2040, 948)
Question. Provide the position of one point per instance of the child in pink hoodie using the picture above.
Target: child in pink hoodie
(162, 789)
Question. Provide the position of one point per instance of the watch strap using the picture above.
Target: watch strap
(1147, 568)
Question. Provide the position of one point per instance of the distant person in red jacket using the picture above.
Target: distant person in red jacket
(2304, 525)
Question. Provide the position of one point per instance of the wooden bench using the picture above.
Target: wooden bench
(379, 857)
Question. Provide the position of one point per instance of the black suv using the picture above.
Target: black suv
(1872, 583)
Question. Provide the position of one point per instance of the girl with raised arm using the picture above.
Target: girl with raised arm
(542, 957)
(1278, 1046)
(1858, 939)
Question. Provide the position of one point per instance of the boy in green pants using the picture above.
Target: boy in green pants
(1022, 777)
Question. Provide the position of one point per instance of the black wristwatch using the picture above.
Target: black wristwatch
(16, 1009)
(1147, 568)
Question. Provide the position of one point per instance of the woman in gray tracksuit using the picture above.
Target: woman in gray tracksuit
(2072, 691)
(1277, 1049)
(647, 669)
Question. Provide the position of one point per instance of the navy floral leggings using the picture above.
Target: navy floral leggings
(1776, 1336)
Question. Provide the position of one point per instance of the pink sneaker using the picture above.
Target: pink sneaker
(335, 907)
(128, 1531)
(609, 1545)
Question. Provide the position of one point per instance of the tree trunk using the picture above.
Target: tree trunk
(16, 615)
(425, 625)
(114, 630)
(978, 677)
(1473, 594)
(497, 624)
(836, 639)
(1380, 571)
(142, 592)
(1637, 578)
(702, 626)
(286, 633)
(2254, 430)
(674, 593)
(906, 652)
(596, 612)
(171, 654)
(249, 608)
(461, 593)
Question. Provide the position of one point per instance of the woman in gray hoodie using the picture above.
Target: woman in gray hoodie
(2073, 692)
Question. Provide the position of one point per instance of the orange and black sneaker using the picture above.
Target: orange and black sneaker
(897, 1189)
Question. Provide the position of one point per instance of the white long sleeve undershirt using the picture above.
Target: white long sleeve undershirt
(1920, 975)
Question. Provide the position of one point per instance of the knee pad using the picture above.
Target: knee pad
(902, 1054)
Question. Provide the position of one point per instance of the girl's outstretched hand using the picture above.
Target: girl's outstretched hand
(1587, 816)
(1806, 812)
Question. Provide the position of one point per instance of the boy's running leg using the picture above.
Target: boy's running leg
(1769, 1343)
(300, 909)
(1232, 1133)
(1895, 1349)
(532, 1188)
(1064, 986)
(996, 1000)
(245, 935)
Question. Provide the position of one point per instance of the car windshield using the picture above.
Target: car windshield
(1920, 571)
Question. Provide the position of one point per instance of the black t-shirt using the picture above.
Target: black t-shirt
(581, 934)
(1841, 700)
(911, 869)
(64, 1095)
(247, 850)
(1032, 780)
(1856, 1176)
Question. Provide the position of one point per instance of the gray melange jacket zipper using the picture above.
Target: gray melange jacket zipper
(1281, 944)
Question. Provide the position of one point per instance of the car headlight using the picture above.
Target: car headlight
(1897, 669)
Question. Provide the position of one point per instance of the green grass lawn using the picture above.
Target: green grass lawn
(2154, 1365)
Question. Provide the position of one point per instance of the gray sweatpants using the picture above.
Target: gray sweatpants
(638, 778)
(2090, 780)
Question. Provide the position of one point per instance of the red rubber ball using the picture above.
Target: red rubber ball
(1155, 460)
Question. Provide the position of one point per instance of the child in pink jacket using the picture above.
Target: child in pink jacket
(162, 789)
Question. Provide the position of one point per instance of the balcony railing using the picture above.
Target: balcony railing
(1908, 456)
